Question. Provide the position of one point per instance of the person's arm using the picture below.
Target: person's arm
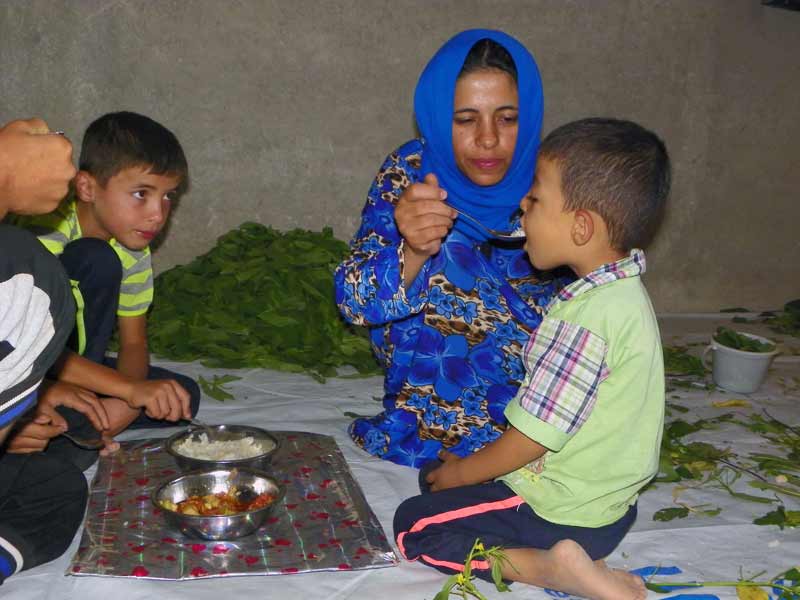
(35, 168)
(373, 284)
(507, 453)
(133, 359)
(161, 399)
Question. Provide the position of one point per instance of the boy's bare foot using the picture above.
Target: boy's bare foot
(567, 568)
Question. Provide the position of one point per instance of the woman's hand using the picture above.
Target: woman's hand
(422, 217)
(160, 399)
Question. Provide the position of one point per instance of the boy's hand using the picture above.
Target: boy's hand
(161, 399)
(34, 435)
(448, 475)
(59, 393)
(36, 168)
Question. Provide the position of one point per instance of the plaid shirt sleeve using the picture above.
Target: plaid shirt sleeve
(566, 364)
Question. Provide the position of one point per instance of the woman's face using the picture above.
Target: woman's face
(485, 123)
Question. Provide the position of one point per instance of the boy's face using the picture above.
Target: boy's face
(132, 207)
(548, 228)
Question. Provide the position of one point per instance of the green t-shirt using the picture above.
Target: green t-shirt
(60, 227)
(594, 396)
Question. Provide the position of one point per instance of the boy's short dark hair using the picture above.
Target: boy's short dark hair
(121, 140)
(616, 168)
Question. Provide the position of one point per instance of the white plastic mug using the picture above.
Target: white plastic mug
(739, 371)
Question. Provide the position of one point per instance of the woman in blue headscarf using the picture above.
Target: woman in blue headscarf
(449, 306)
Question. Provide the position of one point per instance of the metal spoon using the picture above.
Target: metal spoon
(95, 444)
(206, 427)
(516, 235)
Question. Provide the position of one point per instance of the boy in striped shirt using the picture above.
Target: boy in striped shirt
(131, 170)
(558, 489)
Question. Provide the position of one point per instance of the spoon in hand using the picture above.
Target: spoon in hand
(516, 235)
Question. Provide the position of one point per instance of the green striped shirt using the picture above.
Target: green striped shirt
(60, 227)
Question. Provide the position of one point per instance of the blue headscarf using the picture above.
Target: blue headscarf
(433, 107)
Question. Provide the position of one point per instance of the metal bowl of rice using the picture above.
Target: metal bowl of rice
(229, 446)
(244, 483)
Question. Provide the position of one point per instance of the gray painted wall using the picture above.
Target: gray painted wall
(287, 108)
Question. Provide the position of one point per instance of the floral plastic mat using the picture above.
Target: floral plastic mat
(323, 524)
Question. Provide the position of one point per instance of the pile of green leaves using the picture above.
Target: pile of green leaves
(737, 341)
(259, 298)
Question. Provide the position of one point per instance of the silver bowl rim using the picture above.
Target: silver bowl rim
(171, 440)
(191, 518)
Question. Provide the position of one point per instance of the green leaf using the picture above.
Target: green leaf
(214, 389)
(668, 514)
(780, 517)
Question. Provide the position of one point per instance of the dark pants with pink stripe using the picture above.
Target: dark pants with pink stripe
(440, 528)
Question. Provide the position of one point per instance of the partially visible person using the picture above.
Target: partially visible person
(448, 305)
(585, 427)
(131, 170)
(42, 499)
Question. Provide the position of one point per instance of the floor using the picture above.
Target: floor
(716, 540)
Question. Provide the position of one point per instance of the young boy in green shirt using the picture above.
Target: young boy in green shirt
(585, 427)
(131, 170)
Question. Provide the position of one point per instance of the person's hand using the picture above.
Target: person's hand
(59, 393)
(448, 475)
(34, 435)
(35, 168)
(422, 217)
(161, 399)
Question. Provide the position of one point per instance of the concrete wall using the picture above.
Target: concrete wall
(286, 108)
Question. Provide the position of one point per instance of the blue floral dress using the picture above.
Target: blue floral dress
(450, 342)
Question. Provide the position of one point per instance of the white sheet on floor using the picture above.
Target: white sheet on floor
(707, 548)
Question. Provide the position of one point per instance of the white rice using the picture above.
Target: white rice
(204, 449)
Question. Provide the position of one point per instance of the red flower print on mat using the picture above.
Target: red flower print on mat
(169, 540)
(349, 523)
(290, 570)
(297, 524)
(198, 548)
(109, 513)
(344, 567)
(362, 550)
(306, 470)
(108, 539)
(322, 545)
(170, 557)
(319, 515)
(282, 542)
(325, 483)
(340, 504)
(140, 572)
(335, 542)
(309, 556)
(199, 572)
(167, 472)
(117, 474)
(251, 560)
(137, 548)
(142, 480)
(76, 569)
(312, 496)
(220, 549)
(273, 520)
(291, 506)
